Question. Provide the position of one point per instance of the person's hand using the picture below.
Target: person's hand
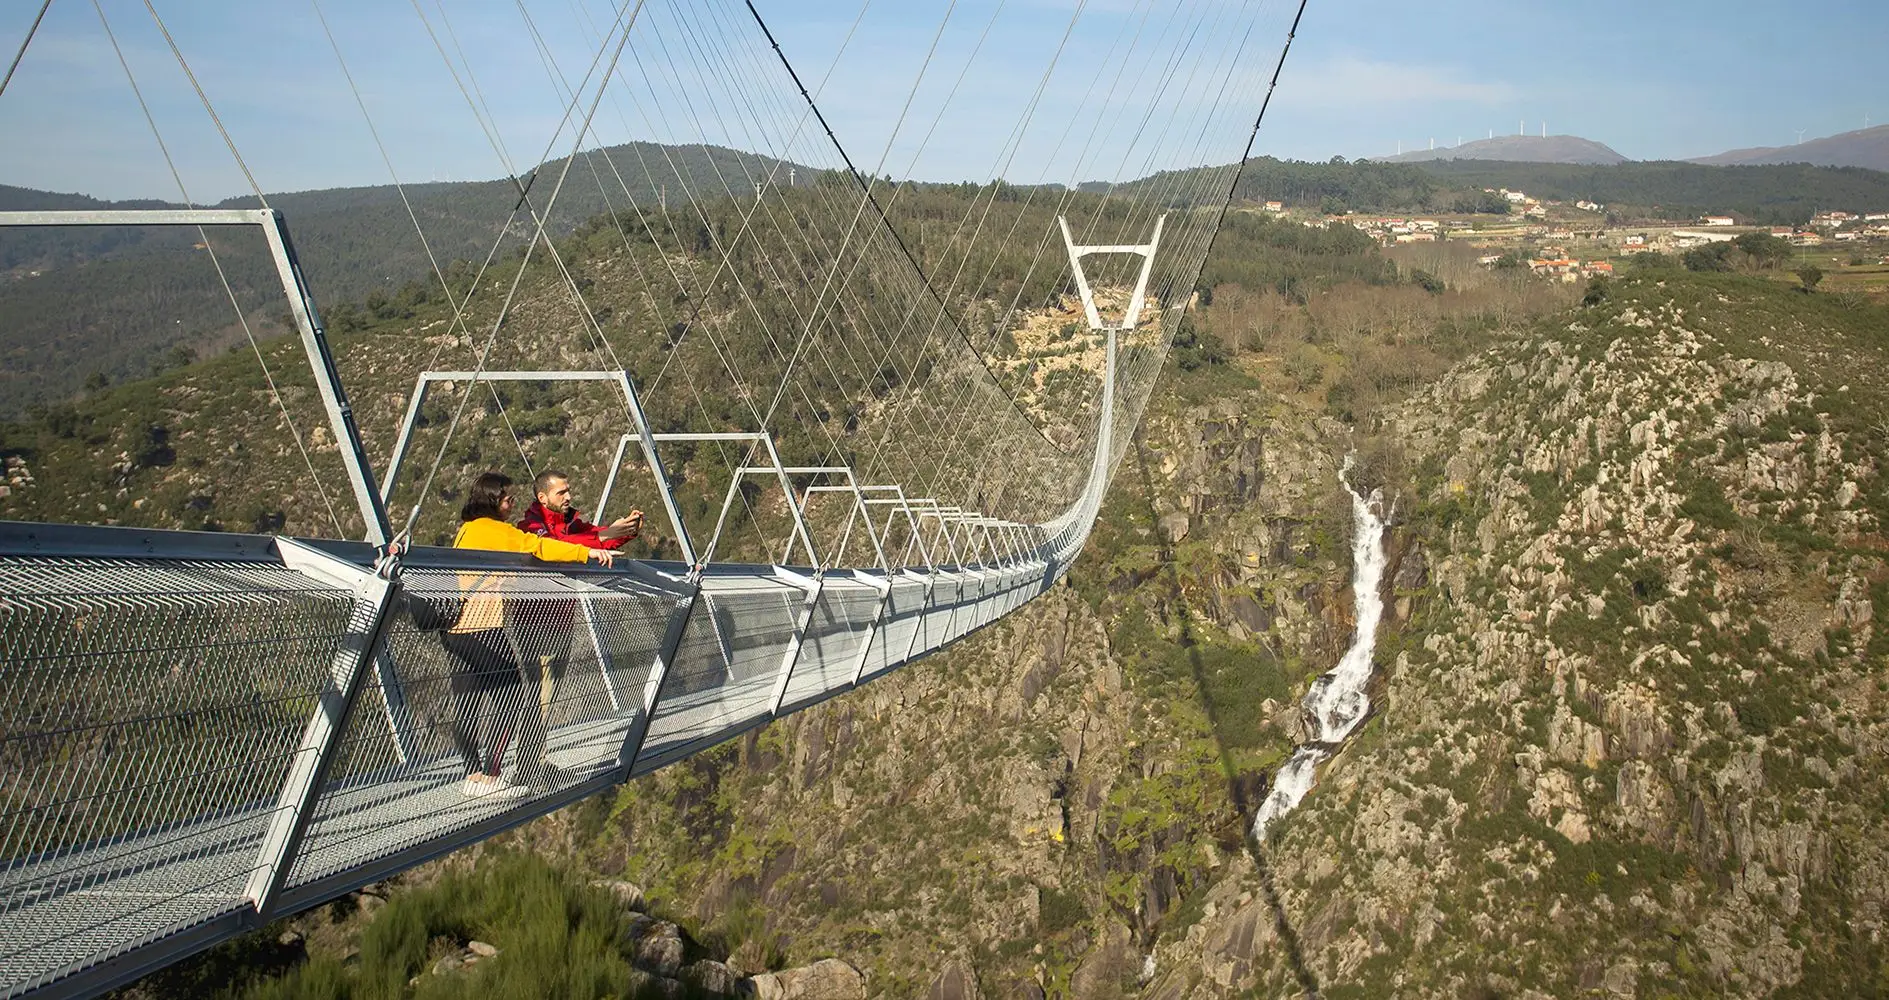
(627, 526)
(604, 556)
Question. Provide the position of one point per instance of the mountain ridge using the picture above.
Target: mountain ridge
(354, 244)
(1517, 149)
(1864, 147)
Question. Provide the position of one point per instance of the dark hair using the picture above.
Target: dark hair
(543, 482)
(483, 499)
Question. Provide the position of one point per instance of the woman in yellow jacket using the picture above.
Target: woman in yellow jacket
(486, 679)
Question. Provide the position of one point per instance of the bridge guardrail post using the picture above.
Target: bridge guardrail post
(308, 769)
(813, 587)
(321, 363)
(658, 678)
(878, 619)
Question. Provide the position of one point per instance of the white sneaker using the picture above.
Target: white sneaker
(499, 788)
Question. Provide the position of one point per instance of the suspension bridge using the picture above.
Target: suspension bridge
(807, 372)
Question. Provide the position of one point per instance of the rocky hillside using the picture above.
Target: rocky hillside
(1631, 724)
(1035, 811)
(1632, 740)
(1632, 703)
(1031, 812)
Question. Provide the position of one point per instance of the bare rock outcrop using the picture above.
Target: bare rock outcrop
(827, 979)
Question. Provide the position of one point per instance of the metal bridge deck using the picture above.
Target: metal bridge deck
(160, 707)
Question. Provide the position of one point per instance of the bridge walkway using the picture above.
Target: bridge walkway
(166, 691)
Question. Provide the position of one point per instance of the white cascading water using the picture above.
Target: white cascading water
(1337, 702)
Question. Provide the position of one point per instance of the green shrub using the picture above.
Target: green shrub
(556, 935)
(1058, 911)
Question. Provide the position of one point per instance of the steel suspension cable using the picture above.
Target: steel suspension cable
(1068, 193)
(406, 203)
(859, 212)
(898, 239)
(31, 30)
(727, 362)
(539, 236)
(275, 393)
(1014, 145)
(210, 109)
(1130, 218)
(945, 458)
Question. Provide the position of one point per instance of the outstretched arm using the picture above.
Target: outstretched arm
(551, 549)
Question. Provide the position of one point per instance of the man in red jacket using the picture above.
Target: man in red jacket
(546, 624)
(552, 515)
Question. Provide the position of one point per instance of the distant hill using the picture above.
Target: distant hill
(355, 239)
(141, 306)
(1785, 194)
(1518, 149)
(1867, 147)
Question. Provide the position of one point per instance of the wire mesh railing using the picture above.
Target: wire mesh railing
(161, 692)
(148, 713)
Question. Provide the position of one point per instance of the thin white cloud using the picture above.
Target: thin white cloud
(1352, 82)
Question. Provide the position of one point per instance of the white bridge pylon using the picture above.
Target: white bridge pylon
(203, 732)
(1145, 251)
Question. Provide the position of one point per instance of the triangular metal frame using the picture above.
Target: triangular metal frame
(1145, 251)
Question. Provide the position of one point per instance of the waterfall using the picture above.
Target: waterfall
(1336, 704)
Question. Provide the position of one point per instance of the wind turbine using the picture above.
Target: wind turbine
(1800, 135)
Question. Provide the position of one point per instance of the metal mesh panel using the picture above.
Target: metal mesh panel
(997, 601)
(836, 636)
(982, 611)
(1021, 589)
(148, 712)
(543, 697)
(976, 606)
(977, 602)
(964, 616)
(934, 631)
(987, 604)
(728, 662)
(892, 641)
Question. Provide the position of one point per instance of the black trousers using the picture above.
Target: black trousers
(545, 642)
(488, 696)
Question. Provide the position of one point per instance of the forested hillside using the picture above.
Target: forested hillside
(1780, 194)
(152, 299)
(149, 292)
(1787, 194)
(183, 449)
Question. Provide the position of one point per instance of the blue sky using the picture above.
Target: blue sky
(1664, 79)
(1674, 78)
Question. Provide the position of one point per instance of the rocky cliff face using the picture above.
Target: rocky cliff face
(1632, 706)
(1631, 725)
(1042, 808)
(1633, 739)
